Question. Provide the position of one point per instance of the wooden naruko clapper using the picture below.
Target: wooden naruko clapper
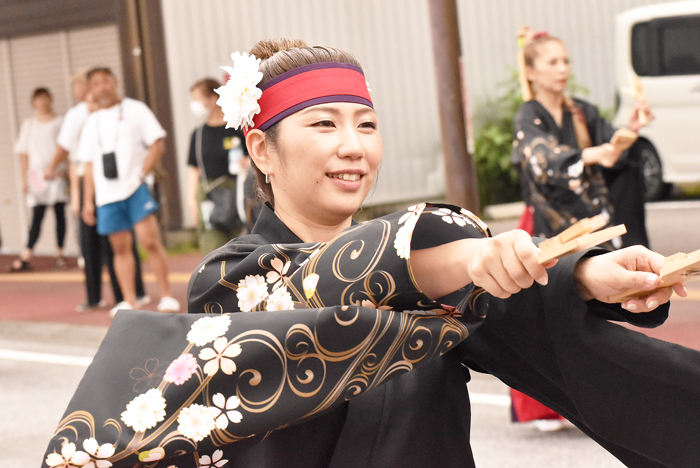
(582, 235)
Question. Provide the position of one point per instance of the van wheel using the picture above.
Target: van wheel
(656, 188)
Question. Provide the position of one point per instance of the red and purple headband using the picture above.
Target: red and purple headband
(308, 86)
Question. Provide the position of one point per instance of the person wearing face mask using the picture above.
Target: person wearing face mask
(217, 155)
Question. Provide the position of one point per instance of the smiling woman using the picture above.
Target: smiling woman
(319, 342)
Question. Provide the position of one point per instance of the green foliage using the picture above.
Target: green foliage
(498, 181)
(493, 123)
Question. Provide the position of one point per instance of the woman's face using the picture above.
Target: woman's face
(42, 104)
(550, 70)
(202, 104)
(325, 160)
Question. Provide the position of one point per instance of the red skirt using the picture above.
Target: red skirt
(524, 408)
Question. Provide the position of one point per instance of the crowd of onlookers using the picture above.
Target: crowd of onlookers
(99, 159)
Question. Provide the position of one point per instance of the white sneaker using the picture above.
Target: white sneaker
(551, 425)
(142, 301)
(123, 305)
(168, 304)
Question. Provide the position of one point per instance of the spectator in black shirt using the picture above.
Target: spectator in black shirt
(217, 155)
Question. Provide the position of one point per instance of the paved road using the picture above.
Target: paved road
(45, 350)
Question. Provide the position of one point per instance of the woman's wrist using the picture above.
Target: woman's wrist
(580, 279)
(589, 156)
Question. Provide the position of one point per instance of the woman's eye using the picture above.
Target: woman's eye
(368, 125)
(324, 123)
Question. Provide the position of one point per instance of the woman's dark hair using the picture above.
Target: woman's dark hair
(206, 86)
(279, 56)
(41, 92)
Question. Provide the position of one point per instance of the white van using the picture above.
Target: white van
(661, 45)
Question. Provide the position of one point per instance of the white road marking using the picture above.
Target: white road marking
(45, 358)
(82, 361)
(489, 399)
(674, 205)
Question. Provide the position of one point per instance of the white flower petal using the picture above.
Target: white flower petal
(80, 458)
(309, 283)
(105, 451)
(277, 264)
(67, 450)
(234, 416)
(211, 367)
(222, 422)
(232, 351)
(233, 402)
(228, 366)
(219, 400)
(220, 344)
(90, 445)
(54, 459)
(207, 354)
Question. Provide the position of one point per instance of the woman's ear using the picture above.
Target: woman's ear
(529, 73)
(258, 149)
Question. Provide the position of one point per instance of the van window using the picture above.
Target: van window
(679, 47)
(667, 46)
(641, 48)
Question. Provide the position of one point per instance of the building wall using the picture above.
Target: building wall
(392, 40)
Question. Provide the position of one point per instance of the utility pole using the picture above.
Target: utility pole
(460, 173)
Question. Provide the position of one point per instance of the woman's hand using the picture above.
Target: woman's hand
(605, 155)
(635, 267)
(89, 212)
(634, 123)
(74, 205)
(502, 265)
(507, 263)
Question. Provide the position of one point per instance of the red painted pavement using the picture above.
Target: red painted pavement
(48, 295)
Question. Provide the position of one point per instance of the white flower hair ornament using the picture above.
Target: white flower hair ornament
(238, 98)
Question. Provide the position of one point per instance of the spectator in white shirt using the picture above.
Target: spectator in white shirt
(36, 145)
(95, 249)
(120, 145)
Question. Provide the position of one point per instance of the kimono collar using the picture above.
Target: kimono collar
(272, 229)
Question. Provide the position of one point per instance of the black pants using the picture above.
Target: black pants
(38, 219)
(97, 252)
(625, 182)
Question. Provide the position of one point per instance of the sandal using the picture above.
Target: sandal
(19, 265)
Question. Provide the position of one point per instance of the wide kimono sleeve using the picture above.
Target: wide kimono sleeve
(634, 395)
(320, 324)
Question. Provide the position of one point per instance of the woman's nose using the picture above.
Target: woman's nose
(350, 146)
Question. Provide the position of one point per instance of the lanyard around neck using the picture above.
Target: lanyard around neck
(116, 131)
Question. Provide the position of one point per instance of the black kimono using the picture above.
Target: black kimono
(558, 185)
(327, 383)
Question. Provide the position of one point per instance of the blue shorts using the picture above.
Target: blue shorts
(123, 215)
